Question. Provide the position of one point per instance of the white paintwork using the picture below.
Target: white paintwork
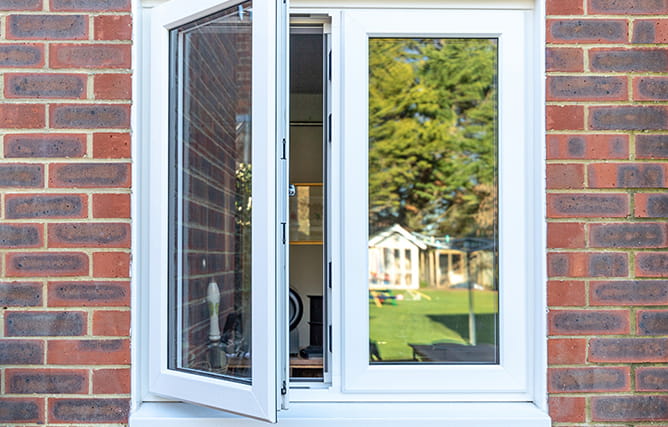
(257, 399)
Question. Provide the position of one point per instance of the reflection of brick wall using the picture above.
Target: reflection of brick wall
(606, 206)
(217, 93)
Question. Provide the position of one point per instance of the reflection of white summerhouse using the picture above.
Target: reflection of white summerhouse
(394, 258)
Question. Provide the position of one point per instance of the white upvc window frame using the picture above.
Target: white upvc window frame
(508, 380)
(259, 398)
(358, 394)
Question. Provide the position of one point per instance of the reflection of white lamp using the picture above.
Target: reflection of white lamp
(216, 356)
(213, 298)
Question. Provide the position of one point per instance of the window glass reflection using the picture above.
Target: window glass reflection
(433, 282)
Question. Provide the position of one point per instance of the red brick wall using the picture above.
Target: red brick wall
(65, 182)
(64, 211)
(607, 145)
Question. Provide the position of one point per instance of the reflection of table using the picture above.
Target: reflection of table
(447, 352)
(306, 368)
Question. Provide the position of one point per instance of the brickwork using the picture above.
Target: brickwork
(65, 84)
(607, 142)
(65, 184)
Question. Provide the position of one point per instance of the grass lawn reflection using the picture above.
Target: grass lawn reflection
(441, 319)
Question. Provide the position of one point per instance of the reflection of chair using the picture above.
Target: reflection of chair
(382, 296)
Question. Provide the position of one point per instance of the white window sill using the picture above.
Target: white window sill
(516, 414)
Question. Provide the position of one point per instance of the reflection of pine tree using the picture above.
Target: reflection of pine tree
(432, 156)
(243, 201)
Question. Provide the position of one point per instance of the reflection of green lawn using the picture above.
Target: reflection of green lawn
(444, 318)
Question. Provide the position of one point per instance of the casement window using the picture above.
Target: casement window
(341, 214)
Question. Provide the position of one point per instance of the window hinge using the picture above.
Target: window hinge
(330, 338)
(329, 66)
(284, 389)
(329, 275)
(283, 231)
(329, 128)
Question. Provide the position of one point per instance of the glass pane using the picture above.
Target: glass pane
(433, 198)
(210, 187)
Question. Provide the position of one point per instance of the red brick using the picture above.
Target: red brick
(22, 5)
(628, 60)
(53, 27)
(566, 351)
(640, 118)
(652, 379)
(629, 408)
(594, 147)
(90, 175)
(27, 116)
(564, 59)
(578, 380)
(45, 145)
(51, 381)
(650, 89)
(22, 410)
(90, 56)
(111, 381)
(20, 294)
(19, 206)
(44, 264)
(21, 352)
(111, 264)
(620, 350)
(111, 205)
(21, 55)
(87, 116)
(574, 264)
(88, 294)
(21, 85)
(88, 352)
(561, 176)
(586, 88)
(652, 322)
(45, 323)
(90, 5)
(567, 409)
(565, 7)
(113, 27)
(111, 145)
(565, 235)
(650, 31)
(651, 205)
(652, 146)
(88, 410)
(89, 235)
(14, 236)
(638, 292)
(587, 31)
(627, 7)
(627, 175)
(113, 86)
(588, 322)
(568, 117)
(566, 293)
(111, 323)
(587, 205)
(628, 235)
(21, 175)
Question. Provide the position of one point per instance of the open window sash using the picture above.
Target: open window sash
(217, 260)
